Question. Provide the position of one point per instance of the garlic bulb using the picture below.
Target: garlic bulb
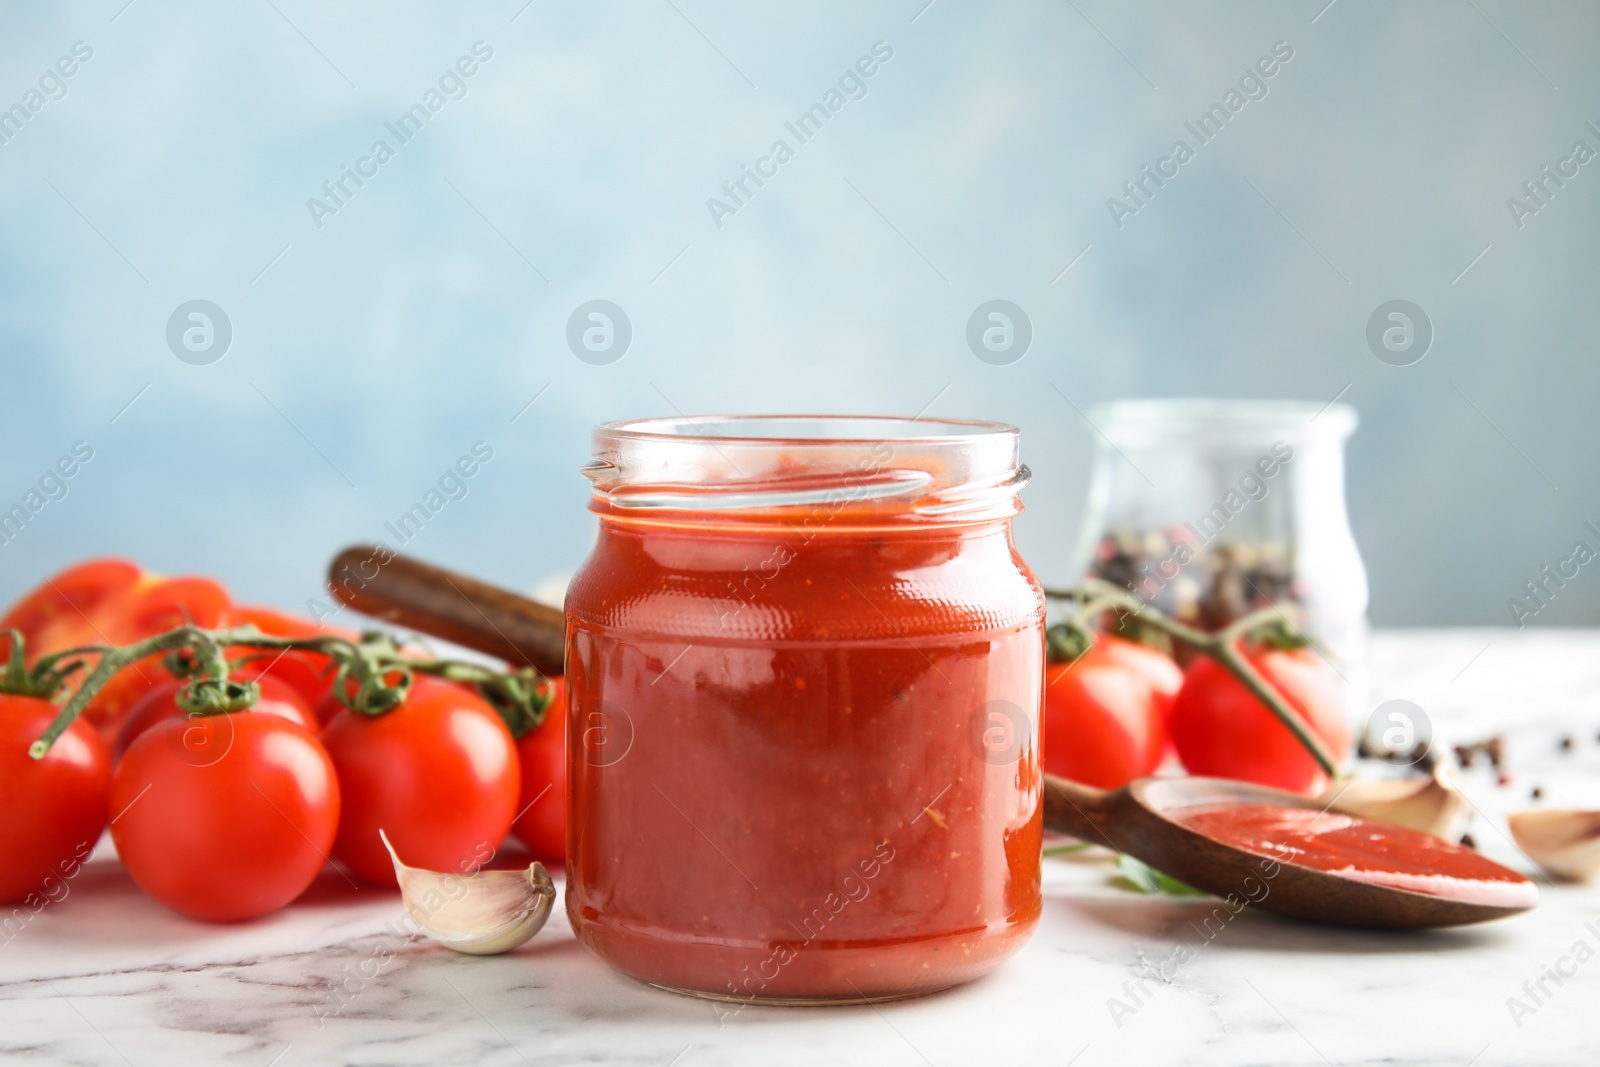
(483, 913)
(1564, 842)
(1432, 805)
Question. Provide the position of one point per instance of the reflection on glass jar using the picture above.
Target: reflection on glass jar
(1209, 509)
(805, 664)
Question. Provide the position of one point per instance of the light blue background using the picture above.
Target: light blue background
(414, 322)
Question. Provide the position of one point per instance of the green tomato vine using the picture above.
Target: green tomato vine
(371, 676)
(1070, 639)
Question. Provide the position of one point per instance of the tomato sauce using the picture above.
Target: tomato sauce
(805, 754)
(1364, 851)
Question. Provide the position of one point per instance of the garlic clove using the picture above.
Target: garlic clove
(1562, 841)
(483, 913)
(1432, 805)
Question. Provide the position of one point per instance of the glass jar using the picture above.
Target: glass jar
(1208, 509)
(805, 665)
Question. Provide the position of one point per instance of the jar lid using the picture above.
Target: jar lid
(864, 465)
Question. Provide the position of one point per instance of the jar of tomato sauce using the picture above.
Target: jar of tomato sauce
(805, 665)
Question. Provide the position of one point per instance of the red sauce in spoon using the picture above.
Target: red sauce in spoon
(1363, 851)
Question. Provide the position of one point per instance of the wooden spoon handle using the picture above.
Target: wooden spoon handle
(449, 605)
(1076, 809)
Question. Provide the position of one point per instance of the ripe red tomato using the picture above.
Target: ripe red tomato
(1223, 731)
(329, 706)
(438, 774)
(66, 601)
(51, 810)
(152, 607)
(225, 817)
(541, 821)
(1105, 713)
(161, 703)
(308, 672)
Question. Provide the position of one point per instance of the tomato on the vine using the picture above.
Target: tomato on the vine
(329, 706)
(1105, 713)
(225, 817)
(438, 774)
(141, 611)
(541, 821)
(57, 613)
(1222, 730)
(309, 672)
(53, 809)
(161, 703)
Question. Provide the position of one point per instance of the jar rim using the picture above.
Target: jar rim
(687, 427)
(867, 468)
(1160, 418)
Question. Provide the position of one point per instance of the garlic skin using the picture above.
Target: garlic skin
(483, 913)
(1564, 842)
(1432, 805)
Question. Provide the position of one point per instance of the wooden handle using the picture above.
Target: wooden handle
(449, 605)
(1076, 809)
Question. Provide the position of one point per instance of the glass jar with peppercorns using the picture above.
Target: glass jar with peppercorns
(1210, 509)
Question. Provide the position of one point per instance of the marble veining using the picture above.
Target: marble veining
(105, 975)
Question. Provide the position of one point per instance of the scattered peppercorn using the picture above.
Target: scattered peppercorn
(1538, 792)
(1421, 754)
(1493, 748)
(1466, 839)
(1567, 743)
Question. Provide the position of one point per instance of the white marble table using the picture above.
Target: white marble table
(108, 976)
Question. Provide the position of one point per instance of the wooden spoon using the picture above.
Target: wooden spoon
(1137, 819)
(1141, 820)
(435, 601)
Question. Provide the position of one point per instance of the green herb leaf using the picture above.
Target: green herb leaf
(1146, 879)
(1066, 641)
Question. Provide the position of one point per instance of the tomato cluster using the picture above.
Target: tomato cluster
(1107, 711)
(227, 815)
(1115, 712)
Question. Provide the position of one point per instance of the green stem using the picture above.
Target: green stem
(113, 660)
(1096, 596)
(381, 674)
(15, 679)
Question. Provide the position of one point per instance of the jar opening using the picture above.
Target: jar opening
(951, 470)
(801, 429)
(1135, 422)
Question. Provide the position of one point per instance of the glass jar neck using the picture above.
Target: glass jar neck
(808, 471)
(1221, 424)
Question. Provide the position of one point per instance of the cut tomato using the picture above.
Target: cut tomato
(52, 613)
(152, 607)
